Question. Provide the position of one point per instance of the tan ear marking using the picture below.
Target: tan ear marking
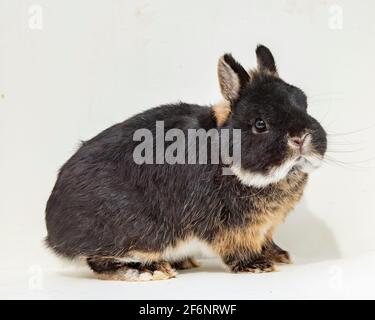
(229, 82)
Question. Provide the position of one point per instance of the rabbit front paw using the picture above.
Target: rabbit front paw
(276, 254)
(258, 265)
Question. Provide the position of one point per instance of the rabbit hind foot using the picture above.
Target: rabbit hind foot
(112, 269)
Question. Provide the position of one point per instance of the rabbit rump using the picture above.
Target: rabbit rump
(141, 198)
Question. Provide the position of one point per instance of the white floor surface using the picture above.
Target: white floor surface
(343, 279)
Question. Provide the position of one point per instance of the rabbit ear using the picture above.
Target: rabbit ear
(266, 62)
(232, 77)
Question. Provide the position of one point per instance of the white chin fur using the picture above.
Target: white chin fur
(309, 163)
(258, 180)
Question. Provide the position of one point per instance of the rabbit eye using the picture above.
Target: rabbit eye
(259, 126)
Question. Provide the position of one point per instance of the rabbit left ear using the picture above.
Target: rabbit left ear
(232, 77)
(266, 62)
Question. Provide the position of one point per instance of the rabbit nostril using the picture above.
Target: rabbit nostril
(297, 141)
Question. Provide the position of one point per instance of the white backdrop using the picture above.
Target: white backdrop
(69, 69)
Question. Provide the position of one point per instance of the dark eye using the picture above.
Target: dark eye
(259, 126)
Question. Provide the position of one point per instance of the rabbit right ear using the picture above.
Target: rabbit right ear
(266, 61)
(232, 77)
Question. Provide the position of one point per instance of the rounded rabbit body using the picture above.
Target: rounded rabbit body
(141, 221)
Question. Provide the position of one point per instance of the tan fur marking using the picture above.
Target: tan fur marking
(188, 263)
(239, 240)
(221, 112)
(143, 256)
(270, 212)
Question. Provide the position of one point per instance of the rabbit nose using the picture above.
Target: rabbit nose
(297, 142)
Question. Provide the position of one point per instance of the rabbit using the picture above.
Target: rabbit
(140, 222)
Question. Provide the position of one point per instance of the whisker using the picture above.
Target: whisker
(351, 132)
(346, 164)
(345, 151)
(330, 143)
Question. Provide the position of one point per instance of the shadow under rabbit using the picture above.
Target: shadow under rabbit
(307, 237)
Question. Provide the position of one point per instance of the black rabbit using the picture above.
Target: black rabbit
(140, 221)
